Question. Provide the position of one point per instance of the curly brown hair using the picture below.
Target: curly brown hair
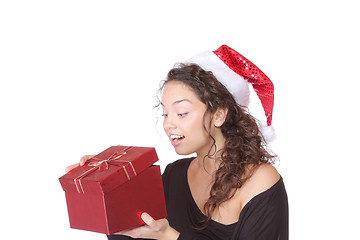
(244, 147)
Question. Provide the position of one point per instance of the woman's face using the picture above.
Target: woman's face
(183, 119)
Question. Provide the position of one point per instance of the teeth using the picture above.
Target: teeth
(176, 137)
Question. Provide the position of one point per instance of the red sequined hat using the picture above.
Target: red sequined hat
(235, 71)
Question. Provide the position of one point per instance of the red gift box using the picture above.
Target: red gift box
(109, 193)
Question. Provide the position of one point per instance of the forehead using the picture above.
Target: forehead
(175, 90)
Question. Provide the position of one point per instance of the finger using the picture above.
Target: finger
(124, 232)
(84, 159)
(71, 167)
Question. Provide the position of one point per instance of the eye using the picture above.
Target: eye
(181, 115)
(164, 115)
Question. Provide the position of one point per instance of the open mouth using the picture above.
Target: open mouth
(176, 138)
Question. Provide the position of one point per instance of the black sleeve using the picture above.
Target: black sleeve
(122, 237)
(266, 218)
(187, 236)
(118, 237)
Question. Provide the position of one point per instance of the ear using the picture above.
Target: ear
(220, 116)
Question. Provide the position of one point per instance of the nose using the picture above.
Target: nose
(169, 124)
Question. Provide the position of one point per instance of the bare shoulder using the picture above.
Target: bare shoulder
(263, 178)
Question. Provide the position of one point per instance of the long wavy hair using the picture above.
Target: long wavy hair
(244, 147)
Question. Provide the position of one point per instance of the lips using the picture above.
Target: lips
(176, 139)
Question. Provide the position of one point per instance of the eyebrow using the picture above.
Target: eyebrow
(179, 101)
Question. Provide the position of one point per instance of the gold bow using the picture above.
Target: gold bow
(103, 164)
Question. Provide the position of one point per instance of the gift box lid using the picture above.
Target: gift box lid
(109, 169)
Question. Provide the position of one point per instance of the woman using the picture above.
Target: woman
(229, 190)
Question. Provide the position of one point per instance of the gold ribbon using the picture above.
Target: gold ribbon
(103, 164)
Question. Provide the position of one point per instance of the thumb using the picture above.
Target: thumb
(150, 221)
(147, 218)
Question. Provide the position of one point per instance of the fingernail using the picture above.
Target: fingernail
(145, 216)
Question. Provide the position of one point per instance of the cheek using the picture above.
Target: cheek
(194, 127)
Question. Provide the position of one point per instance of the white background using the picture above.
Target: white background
(79, 76)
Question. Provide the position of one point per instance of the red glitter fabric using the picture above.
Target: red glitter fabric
(262, 85)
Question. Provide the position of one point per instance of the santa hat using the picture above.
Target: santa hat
(235, 72)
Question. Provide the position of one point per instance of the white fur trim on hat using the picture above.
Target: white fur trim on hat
(268, 133)
(235, 83)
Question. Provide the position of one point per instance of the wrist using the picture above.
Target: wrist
(170, 234)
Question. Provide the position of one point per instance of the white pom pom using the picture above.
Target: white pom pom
(268, 133)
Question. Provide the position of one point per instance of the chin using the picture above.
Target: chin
(183, 151)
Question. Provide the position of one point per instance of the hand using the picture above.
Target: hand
(155, 229)
(82, 162)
